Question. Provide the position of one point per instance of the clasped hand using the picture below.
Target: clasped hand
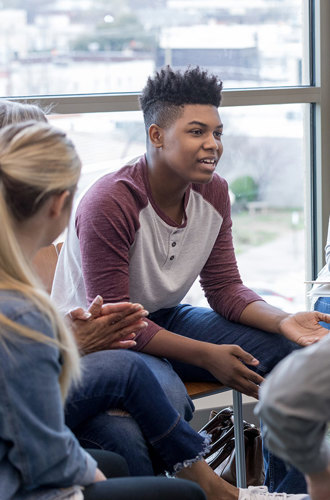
(106, 326)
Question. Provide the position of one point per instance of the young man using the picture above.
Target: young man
(146, 232)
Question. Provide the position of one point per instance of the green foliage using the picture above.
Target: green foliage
(124, 32)
(244, 188)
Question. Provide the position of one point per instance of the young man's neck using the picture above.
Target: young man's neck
(167, 193)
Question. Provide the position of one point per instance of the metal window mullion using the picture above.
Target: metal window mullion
(321, 133)
(94, 103)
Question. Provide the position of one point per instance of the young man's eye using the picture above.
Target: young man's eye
(196, 131)
(218, 134)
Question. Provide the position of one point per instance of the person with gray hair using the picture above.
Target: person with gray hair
(295, 408)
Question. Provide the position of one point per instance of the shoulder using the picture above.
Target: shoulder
(13, 304)
(21, 310)
(215, 192)
(124, 189)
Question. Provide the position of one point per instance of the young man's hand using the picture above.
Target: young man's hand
(228, 364)
(106, 326)
(304, 328)
(319, 485)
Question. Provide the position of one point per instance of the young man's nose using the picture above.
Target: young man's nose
(211, 142)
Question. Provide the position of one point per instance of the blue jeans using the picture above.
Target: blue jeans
(122, 379)
(323, 305)
(204, 324)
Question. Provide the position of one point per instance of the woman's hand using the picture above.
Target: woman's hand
(106, 326)
(99, 476)
(304, 328)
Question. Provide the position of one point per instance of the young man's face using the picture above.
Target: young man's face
(192, 144)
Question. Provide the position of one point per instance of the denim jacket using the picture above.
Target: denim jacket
(38, 454)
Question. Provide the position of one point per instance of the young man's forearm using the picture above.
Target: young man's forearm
(261, 315)
(171, 345)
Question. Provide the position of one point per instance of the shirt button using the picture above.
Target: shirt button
(173, 244)
(172, 257)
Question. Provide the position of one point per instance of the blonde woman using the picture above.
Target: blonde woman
(39, 170)
(39, 456)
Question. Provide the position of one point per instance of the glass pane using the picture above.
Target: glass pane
(105, 141)
(95, 46)
(264, 164)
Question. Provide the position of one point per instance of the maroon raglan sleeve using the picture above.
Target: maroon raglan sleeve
(220, 278)
(107, 219)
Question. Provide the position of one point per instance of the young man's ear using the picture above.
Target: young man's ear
(156, 135)
(58, 202)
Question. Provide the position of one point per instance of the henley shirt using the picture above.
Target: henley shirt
(122, 246)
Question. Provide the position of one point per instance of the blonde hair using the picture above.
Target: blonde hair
(15, 112)
(37, 160)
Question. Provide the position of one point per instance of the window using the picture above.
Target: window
(78, 47)
(272, 56)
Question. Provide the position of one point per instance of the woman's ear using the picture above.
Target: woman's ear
(156, 135)
(58, 202)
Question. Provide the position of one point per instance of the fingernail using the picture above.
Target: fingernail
(86, 315)
(98, 299)
(145, 323)
(145, 313)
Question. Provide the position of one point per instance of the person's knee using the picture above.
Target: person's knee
(110, 361)
(121, 434)
(110, 463)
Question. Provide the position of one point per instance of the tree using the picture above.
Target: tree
(125, 32)
(244, 188)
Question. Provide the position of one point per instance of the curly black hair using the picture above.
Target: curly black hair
(166, 93)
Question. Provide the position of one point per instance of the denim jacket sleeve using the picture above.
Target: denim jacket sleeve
(40, 446)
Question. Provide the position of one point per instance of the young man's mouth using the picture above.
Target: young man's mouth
(208, 161)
